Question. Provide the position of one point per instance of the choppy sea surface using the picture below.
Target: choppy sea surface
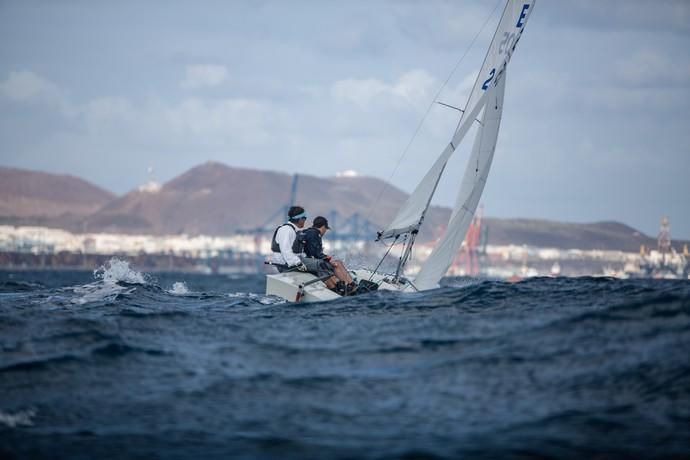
(123, 364)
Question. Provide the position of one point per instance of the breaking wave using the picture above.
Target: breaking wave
(210, 367)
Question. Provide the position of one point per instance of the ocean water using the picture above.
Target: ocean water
(123, 364)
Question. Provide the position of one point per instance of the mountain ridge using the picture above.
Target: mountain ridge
(216, 199)
(26, 193)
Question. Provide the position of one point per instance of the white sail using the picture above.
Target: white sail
(506, 37)
(507, 34)
(409, 217)
(471, 188)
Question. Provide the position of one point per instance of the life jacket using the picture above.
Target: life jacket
(297, 246)
(311, 242)
(300, 242)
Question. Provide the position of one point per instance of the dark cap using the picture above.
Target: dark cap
(320, 221)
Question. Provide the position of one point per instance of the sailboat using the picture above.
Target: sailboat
(484, 108)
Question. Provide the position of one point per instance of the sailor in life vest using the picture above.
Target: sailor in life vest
(284, 238)
(311, 239)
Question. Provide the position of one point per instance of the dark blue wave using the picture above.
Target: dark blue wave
(548, 367)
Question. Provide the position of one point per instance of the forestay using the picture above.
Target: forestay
(507, 34)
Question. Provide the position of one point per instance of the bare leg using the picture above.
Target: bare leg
(330, 282)
(340, 271)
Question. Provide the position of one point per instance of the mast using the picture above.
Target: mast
(411, 215)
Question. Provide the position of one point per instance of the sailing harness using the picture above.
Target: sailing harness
(297, 246)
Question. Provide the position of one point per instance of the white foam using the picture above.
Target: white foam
(464, 282)
(179, 288)
(118, 270)
(107, 287)
(97, 292)
(262, 299)
(21, 418)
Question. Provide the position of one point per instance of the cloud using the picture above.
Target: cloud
(105, 109)
(451, 28)
(207, 75)
(114, 124)
(647, 67)
(223, 122)
(411, 88)
(24, 85)
(667, 15)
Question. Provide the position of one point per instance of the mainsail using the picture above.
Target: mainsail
(471, 188)
(491, 75)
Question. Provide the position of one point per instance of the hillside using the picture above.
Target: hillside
(544, 233)
(216, 199)
(37, 196)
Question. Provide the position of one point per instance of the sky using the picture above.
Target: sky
(596, 122)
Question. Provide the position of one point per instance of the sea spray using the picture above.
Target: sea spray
(108, 284)
(17, 419)
(116, 270)
(179, 288)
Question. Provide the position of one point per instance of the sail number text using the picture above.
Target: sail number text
(508, 43)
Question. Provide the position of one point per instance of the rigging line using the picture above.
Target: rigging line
(450, 106)
(431, 104)
(383, 258)
(459, 110)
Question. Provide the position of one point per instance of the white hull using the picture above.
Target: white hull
(287, 285)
